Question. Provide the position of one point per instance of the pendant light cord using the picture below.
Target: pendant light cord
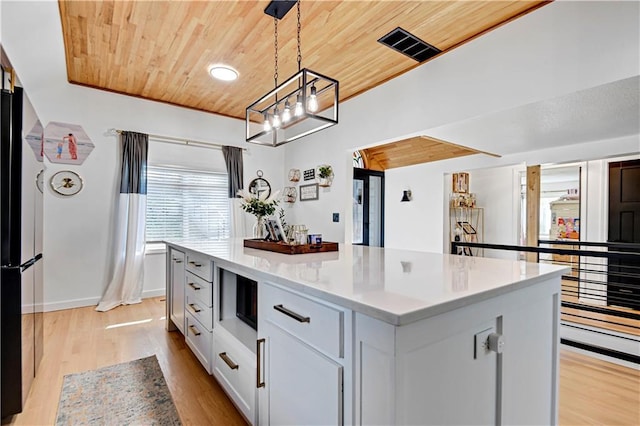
(299, 51)
(275, 45)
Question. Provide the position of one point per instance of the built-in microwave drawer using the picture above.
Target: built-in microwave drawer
(197, 309)
(198, 289)
(199, 341)
(317, 324)
(234, 366)
(200, 265)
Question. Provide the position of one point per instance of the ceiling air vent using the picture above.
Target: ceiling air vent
(410, 45)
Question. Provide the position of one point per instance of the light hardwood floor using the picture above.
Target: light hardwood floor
(591, 391)
(82, 339)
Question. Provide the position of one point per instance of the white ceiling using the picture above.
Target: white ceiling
(600, 113)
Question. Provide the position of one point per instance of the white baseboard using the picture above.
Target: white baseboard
(92, 301)
(621, 342)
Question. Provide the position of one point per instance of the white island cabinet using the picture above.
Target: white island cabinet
(379, 336)
(175, 289)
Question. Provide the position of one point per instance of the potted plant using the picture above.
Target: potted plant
(260, 207)
(325, 173)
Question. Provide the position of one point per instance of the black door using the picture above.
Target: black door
(368, 207)
(623, 287)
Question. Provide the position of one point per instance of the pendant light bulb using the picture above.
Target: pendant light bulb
(276, 118)
(313, 100)
(286, 114)
(299, 110)
(266, 126)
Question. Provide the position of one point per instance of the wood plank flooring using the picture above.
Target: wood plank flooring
(82, 339)
(592, 392)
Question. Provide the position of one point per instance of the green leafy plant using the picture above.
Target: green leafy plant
(258, 206)
(283, 221)
(325, 171)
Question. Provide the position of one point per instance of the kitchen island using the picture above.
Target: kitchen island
(369, 335)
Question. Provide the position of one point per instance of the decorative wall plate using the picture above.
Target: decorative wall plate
(40, 181)
(66, 182)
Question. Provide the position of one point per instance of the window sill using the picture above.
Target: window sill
(155, 248)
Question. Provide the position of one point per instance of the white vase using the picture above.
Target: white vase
(258, 228)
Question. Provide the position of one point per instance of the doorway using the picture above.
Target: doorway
(623, 288)
(368, 207)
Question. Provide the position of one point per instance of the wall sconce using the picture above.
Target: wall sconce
(406, 195)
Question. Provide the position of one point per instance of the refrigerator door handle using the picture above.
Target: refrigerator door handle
(9, 267)
(29, 263)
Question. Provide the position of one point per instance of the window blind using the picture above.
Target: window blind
(186, 204)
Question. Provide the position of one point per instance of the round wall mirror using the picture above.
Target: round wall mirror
(260, 187)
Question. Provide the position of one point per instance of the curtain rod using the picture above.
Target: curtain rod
(178, 141)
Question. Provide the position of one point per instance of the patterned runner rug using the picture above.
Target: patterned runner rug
(132, 393)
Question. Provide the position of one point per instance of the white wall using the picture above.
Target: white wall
(543, 55)
(79, 230)
(497, 192)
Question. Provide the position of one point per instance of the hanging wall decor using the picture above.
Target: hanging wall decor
(35, 141)
(309, 192)
(66, 143)
(290, 194)
(460, 183)
(294, 175)
(325, 175)
(310, 174)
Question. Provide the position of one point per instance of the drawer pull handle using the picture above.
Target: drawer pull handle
(232, 365)
(197, 265)
(195, 287)
(194, 330)
(291, 314)
(259, 383)
(177, 260)
(195, 308)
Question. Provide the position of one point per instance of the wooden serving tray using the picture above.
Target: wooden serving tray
(280, 247)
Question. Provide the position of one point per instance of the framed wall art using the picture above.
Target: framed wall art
(461, 183)
(309, 192)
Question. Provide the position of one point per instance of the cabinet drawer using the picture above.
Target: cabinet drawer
(234, 366)
(199, 265)
(317, 324)
(199, 340)
(198, 289)
(198, 310)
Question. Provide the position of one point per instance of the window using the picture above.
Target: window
(186, 204)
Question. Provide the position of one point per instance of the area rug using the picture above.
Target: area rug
(132, 393)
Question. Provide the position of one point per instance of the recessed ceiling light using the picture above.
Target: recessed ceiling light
(223, 72)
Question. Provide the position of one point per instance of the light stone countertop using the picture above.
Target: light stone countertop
(395, 286)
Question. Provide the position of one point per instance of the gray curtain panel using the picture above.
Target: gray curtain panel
(134, 163)
(233, 158)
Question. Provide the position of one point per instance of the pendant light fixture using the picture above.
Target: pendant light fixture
(271, 120)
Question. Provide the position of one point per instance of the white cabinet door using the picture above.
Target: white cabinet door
(177, 280)
(302, 386)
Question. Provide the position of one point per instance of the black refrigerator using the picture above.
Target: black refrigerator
(21, 276)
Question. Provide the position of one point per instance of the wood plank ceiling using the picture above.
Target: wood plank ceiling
(161, 50)
(417, 150)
